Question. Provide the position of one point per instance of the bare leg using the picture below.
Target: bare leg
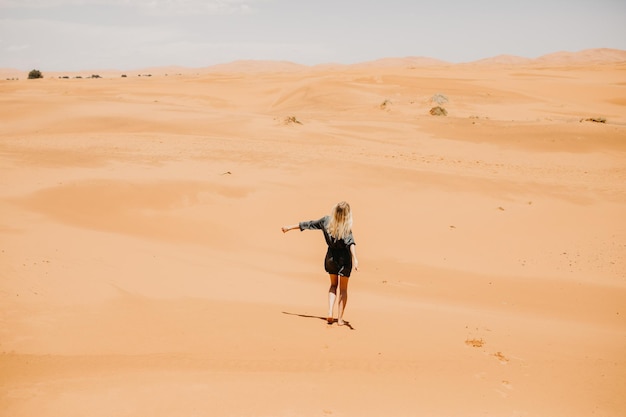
(332, 295)
(343, 298)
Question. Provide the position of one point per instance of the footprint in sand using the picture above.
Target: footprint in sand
(507, 385)
(475, 342)
(501, 357)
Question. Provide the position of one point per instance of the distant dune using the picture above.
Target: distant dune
(416, 61)
(256, 66)
(563, 58)
(504, 59)
(587, 56)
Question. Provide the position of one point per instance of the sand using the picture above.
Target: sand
(144, 273)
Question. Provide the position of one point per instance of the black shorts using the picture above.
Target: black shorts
(338, 263)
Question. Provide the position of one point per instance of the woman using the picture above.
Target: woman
(340, 256)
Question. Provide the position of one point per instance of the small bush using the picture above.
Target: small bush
(291, 120)
(439, 99)
(594, 119)
(34, 74)
(385, 104)
(438, 111)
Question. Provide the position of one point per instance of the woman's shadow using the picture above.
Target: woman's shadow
(345, 323)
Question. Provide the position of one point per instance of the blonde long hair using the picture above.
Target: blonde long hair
(340, 224)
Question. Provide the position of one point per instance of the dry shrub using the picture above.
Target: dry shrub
(292, 120)
(594, 119)
(385, 104)
(438, 111)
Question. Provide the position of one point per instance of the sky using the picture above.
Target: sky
(74, 35)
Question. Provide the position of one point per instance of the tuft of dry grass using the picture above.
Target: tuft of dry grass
(594, 119)
(292, 120)
(438, 111)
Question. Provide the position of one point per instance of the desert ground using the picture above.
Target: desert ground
(143, 271)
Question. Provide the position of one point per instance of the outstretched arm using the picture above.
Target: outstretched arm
(309, 225)
(285, 229)
(355, 261)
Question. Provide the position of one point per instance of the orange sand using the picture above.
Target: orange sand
(144, 273)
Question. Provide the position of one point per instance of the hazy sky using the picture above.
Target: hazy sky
(58, 35)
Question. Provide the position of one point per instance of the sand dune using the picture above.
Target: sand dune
(504, 60)
(413, 61)
(585, 57)
(144, 271)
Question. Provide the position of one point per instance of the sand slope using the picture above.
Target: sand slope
(143, 271)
